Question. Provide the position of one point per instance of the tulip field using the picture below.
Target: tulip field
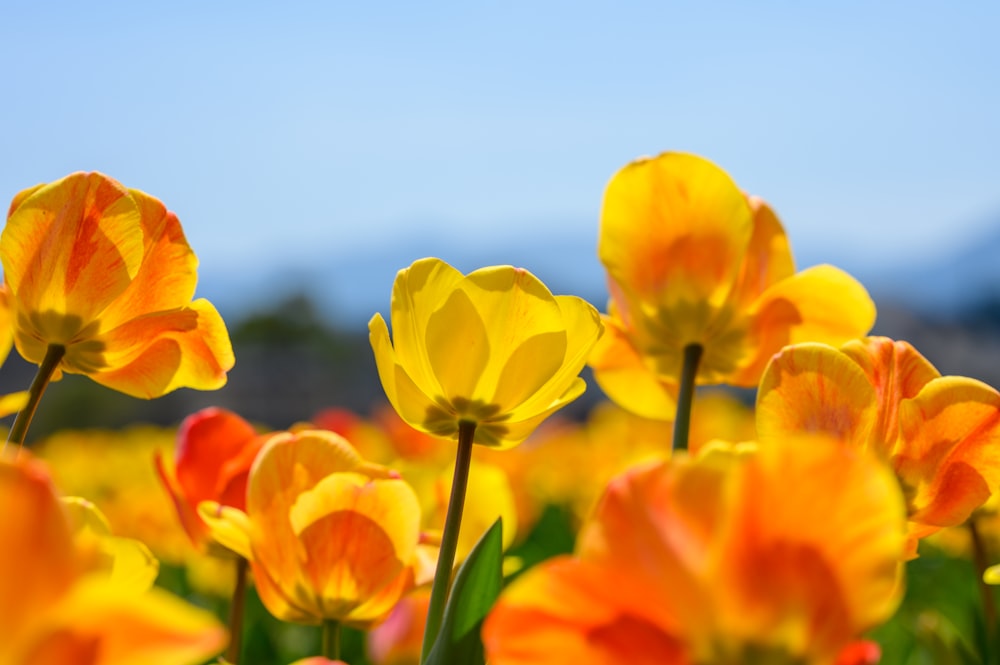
(840, 508)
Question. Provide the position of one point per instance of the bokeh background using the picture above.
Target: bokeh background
(312, 149)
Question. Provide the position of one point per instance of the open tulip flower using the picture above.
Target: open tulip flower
(215, 449)
(330, 537)
(939, 433)
(716, 561)
(696, 265)
(493, 348)
(71, 594)
(100, 280)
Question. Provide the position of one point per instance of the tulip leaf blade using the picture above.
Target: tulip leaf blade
(476, 587)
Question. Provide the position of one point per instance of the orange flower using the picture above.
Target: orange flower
(398, 639)
(215, 449)
(105, 273)
(714, 561)
(691, 260)
(329, 536)
(15, 401)
(59, 604)
(938, 433)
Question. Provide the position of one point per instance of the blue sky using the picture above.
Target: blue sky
(313, 131)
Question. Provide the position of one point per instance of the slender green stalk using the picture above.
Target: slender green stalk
(689, 371)
(53, 356)
(449, 539)
(981, 562)
(331, 639)
(236, 613)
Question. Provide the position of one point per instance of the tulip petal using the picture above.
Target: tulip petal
(568, 611)
(947, 460)
(71, 248)
(458, 348)
(623, 376)
(820, 304)
(674, 228)
(230, 527)
(161, 352)
(768, 259)
(815, 388)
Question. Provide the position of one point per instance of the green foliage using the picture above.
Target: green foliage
(473, 593)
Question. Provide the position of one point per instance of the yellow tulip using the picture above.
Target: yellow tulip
(693, 262)
(329, 536)
(493, 348)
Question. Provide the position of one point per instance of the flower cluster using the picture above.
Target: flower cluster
(464, 521)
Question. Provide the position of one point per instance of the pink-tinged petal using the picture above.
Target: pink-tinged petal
(69, 249)
(896, 371)
(623, 376)
(674, 228)
(820, 304)
(159, 353)
(398, 639)
(947, 454)
(571, 612)
(815, 388)
(768, 258)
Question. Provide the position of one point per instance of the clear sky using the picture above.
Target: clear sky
(299, 132)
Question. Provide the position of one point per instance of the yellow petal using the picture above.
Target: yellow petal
(820, 304)
(623, 376)
(105, 624)
(992, 575)
(129, 562)
(815, 388)
(768, 259)
(674, 228)
(13, 402)
(230, 527)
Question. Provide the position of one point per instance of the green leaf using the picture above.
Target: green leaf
(477, 585)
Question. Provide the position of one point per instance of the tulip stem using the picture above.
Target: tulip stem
(331, 639)
(685, 398)
(236, 613)
(53, 356)
(985, 590)
(449, 539)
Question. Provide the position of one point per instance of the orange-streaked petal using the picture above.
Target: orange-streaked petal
(572, 612)
(800, 583)
(768, 258)
(159, 353)
(820, 304)
(674, 228)
(896, 371)
(815, 388)
(70, 249)
(947, 454)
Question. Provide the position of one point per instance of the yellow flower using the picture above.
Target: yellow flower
(691, 260)
(328, 535)
(493, 348)
(105, 273)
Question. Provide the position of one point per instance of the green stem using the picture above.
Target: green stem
(449, 539)
(53, 356)
(685, 398)
(981, 562)
(236, 613)
(331, 639)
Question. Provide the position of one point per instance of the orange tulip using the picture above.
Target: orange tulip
(398, 639)
(104, 274)
(215, 449)
(939, 433)
(329, 536)
(717, 560)
(59, 603)
(691, 260)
